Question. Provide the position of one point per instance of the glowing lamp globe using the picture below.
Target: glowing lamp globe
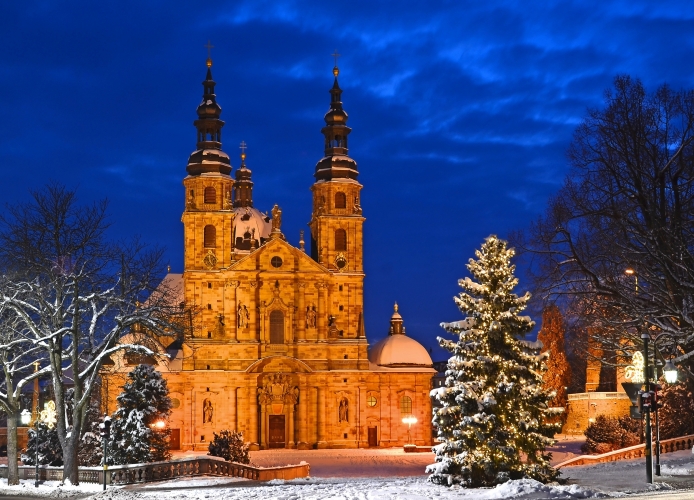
(25, 417)
(670, 372)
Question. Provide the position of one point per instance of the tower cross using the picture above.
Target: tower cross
(209, 48)
(243, 147)
(335, 55)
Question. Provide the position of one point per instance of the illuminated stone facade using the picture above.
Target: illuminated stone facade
(278, 350)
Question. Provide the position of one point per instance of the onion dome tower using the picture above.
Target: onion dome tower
(208, 217)
(398, 350)
(336, 223)
(209, 157)
(251, 227)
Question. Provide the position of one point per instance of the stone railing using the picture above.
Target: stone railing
(158, 471)
(636, 451)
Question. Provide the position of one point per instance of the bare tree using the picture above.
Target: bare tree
(17, 354)
(76, 294)
(627, 206)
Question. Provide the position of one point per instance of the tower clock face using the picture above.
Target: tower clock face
(340, 261)
(210, 260)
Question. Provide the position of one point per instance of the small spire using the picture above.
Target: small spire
(395, 307)
(209, 48)
(243, 152)
(336, 70)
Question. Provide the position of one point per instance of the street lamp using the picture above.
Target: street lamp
(409, 420)
(105, 431)
(670, 372)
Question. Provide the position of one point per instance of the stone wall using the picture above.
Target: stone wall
(583, 408)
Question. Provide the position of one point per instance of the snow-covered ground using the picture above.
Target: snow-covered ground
(386, 475)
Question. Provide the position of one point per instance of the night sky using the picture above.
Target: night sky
(461, 114)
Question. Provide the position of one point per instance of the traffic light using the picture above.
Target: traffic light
(644, 401)
(105, 427)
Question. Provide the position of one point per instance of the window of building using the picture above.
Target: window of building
(371, 400)
(340, 200)
(276, 327)
(276, 261)
(405, 405)
(210, 237)
(340, 239)
(210, 195)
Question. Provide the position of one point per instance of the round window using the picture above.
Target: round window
(371, 400)
(276, 261)
(175, 403)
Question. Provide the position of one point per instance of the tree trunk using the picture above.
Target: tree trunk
(12, 465)
(70, 462)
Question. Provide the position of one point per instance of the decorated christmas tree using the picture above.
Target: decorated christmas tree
(492, 422)
(138, 432)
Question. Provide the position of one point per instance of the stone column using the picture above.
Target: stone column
(233, 320)
(322, 318)
(240, 400)
(232, 410)
(320, 420)
(301, 320)
(263, 427)
(303, 403)
(253, 310)
(292, 415)
(253, 417)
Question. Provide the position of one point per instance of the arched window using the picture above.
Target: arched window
(405, 405)
(276, 327)
(210, 195)
(210, 237)
(340, 239)
(340, 200)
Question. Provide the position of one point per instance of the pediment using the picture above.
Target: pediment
(293, 259)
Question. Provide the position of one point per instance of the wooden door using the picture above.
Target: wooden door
(276, 431)
(175, 439)
(373, 436)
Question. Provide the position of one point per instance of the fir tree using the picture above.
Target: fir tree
(558, 374)
(677, 412)
(230, 446)
(493, 420)
(50, 452)
(135, 435)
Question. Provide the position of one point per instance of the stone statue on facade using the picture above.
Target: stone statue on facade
(243, 315)
(207, 411)
(343, 411)
(310, 317)
(276, 218)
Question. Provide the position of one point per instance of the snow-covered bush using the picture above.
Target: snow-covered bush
(50, 452)
(493, 420)
(135, 435)
(230, 446)
(609, 433)
(677, 413)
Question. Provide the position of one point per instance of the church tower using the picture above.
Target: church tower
(336, 222)
(208, 215)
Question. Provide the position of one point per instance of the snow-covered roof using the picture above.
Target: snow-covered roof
(249, 218)
(399, 351)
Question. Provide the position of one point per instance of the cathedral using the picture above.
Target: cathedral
(278, 349)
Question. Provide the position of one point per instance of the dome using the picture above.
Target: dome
(250, 224)
(398, 350)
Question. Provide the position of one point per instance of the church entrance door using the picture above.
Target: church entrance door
(276, 431)
(373, 436)
(175, 439)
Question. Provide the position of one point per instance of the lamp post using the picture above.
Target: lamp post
(105, 430)
(25, 418)
(670, 372)
(409, 420)
(646, 409)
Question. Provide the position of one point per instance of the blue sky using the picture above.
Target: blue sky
(461, 113)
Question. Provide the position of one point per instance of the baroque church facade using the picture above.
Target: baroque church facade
(278, 349)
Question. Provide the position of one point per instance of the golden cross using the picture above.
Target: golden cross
(335, 55)
(209, 49)
(243, 147)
